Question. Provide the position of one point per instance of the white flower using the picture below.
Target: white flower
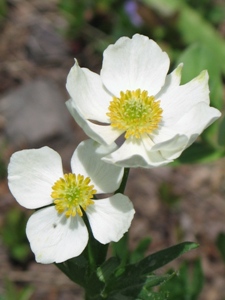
(57, 232)
(133, 97)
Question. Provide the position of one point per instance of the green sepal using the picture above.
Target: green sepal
(76, 269)
(79, 271)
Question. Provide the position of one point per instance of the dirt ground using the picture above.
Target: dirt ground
(198, 215)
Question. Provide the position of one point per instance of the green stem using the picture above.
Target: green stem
(120, 248)
(95, 251)
(122, 186)
(95, 255)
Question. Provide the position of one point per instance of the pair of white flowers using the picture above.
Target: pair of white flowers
(136, 116)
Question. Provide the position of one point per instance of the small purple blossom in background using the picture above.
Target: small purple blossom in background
(131, 9)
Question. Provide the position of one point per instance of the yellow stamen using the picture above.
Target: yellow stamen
(135, 112)
(71, 193)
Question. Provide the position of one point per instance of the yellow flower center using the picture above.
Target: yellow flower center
(135, 112)
(71, 193)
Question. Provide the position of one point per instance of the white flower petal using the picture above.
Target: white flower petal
(136, 153)
(110, 218)
(55, 238)
(172, 81)
(162, 134)
(168, 142)
(136, 63)
(196, 120)
(31, 175)
(103, 134)
(86, 161)
(177, 142)
(172, 154)
(172, 149)
(87, 93)
(176, 102)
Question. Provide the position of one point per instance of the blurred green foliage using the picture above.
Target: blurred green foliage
(12, 292)
(3, 169)
(140, 250)
(3, 10)
(3, 166)
(176, 23)
(97, 23)
(207, 8)
(187, 284)
(13, 235)
(167, 194)
(220, 243)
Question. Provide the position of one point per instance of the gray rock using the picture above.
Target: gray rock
(45, 45)
(35, 113)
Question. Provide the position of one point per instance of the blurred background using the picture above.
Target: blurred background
(181, 202)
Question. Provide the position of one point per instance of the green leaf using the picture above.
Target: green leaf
(142, 289)
(106, 270)
(150, 295)
(139, 274)
(159, 259)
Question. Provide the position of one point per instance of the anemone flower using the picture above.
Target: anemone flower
(134, 103)
(57, 231)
